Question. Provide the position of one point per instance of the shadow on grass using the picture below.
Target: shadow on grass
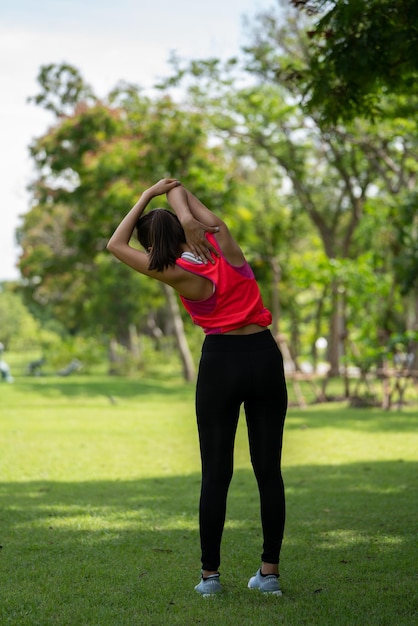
(348, 418)
(107, 544)
(114, 389)
(361, 501)
(91, 386)
(357, 497)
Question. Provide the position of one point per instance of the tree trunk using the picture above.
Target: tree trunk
(412, 323)
(181, 340)
(113, 357)
(134, 343)
(275, 300)
(334, 335)
(318, 323)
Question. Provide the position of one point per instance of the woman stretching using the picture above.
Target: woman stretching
(193, 251)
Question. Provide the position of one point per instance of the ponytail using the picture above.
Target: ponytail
(161, 231)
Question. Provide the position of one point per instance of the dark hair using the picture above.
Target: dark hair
(161, 231)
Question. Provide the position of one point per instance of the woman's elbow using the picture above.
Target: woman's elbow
(111, 247)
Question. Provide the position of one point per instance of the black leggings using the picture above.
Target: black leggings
(236, 369)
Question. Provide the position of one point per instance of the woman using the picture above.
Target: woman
(194, 252)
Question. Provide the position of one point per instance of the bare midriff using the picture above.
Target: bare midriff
(246, 330)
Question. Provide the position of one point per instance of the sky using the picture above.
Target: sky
(107, 41)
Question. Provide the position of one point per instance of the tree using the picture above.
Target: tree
(361, 50)
(91, 167)
(62, 88)
(332, 173)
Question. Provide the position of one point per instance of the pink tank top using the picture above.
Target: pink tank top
(236, 300)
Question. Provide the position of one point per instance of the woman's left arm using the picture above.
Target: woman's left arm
(118, 244)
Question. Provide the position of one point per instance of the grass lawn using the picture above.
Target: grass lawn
(99, 487)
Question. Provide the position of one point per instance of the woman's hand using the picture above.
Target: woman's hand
(195, 237)
(163, 186)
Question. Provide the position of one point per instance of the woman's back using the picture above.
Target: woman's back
(234, 300)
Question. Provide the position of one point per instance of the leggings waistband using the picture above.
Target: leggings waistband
(239, 343)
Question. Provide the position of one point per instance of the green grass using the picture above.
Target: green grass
(99, 487)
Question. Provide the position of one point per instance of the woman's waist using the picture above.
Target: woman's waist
(262, 339)
(249, 329)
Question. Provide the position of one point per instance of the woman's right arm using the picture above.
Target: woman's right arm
(196, 220)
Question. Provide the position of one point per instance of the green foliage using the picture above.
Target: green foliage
(62, 88)
(360, 50)
(91, 168)
(404, 218)
(19, 330)
(89, 352)
(325, 212)
(349, 181)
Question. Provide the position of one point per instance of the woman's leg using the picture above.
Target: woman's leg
(217, 409)
(265, 408)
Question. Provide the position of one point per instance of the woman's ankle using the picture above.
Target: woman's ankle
(269, 568)
(206, 573)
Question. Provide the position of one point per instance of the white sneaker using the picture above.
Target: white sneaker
(266, 584)
(209, 586)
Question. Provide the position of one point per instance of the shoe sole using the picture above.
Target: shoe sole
(207, 594)
(278, 592)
